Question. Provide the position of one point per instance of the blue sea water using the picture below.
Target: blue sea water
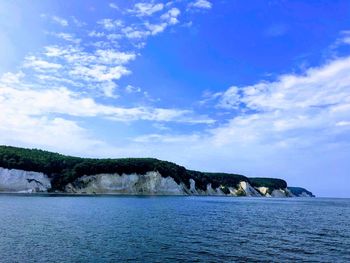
(173, 229)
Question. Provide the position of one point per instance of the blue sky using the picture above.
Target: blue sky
(260, 88)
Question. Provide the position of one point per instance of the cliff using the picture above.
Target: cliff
(31, 170)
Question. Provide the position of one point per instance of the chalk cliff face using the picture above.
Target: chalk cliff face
(150, 183)
(23, 181)
(249, 190)
(35, 170)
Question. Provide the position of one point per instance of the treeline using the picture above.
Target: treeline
(65, 169)
(273, 183)
(299, 191)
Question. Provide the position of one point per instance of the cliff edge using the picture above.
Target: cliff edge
(31, 171)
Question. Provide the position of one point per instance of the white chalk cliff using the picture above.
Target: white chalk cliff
(151, 183)
(12, 180)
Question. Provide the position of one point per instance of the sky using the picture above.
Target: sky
(260, 88)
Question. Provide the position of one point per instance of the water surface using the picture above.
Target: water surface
(173, 229)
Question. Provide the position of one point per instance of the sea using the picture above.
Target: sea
(48, 228)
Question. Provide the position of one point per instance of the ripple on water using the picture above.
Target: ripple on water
(173, 229)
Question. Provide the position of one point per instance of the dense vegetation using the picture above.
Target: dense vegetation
(65, 169)
(268, 182)
(299, 190)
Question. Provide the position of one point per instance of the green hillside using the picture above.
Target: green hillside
(65, 169)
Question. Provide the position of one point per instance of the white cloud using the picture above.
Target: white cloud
(343, 123)
(187, 24)
(67, 37)
(12, 78)
(57, 90)
(59, 20)
(97, 69)
(108, 89)
(110, 24)
(296, 128)
(99, 72)
(39, 64)
(135, 33)
(171, 16)
(345, 39)
(113, 5)
(23, 100)
(77, 22)
(110, 56)
(229, 98)
(54, 51)
(303, 107)
(146, 9)
(167, 138)
(96, 34)
(113, 37)
(132, 89)
(139, 31)
(202, 4)
(155, 29)
(56, 134)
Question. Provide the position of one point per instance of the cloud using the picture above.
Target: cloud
(113, 6)
(110, 56)
(42, 102)
(98, 61)
(342, 40)
(56, 134)
(229, 98)
(46, 117)
(110, 24)
(99, 73)
(132, 89)
(201, 4)
(96, 34)
(345, 39)
(12, 78)
(67, 37)
(167, 138)
(77, 22)
(95, 68)
(135, 32)
(294, 126)
(60, 21)
(155, 29)
(168, 18)
(60, 89)
(40, 65)
(294, 109)
(146, 9)
(171, 16)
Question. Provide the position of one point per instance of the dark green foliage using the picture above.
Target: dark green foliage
(215, 179)
(229, 180)
(299, 190)
(271, 183)
(65, 169)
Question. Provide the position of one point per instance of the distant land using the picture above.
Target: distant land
(37, 171)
